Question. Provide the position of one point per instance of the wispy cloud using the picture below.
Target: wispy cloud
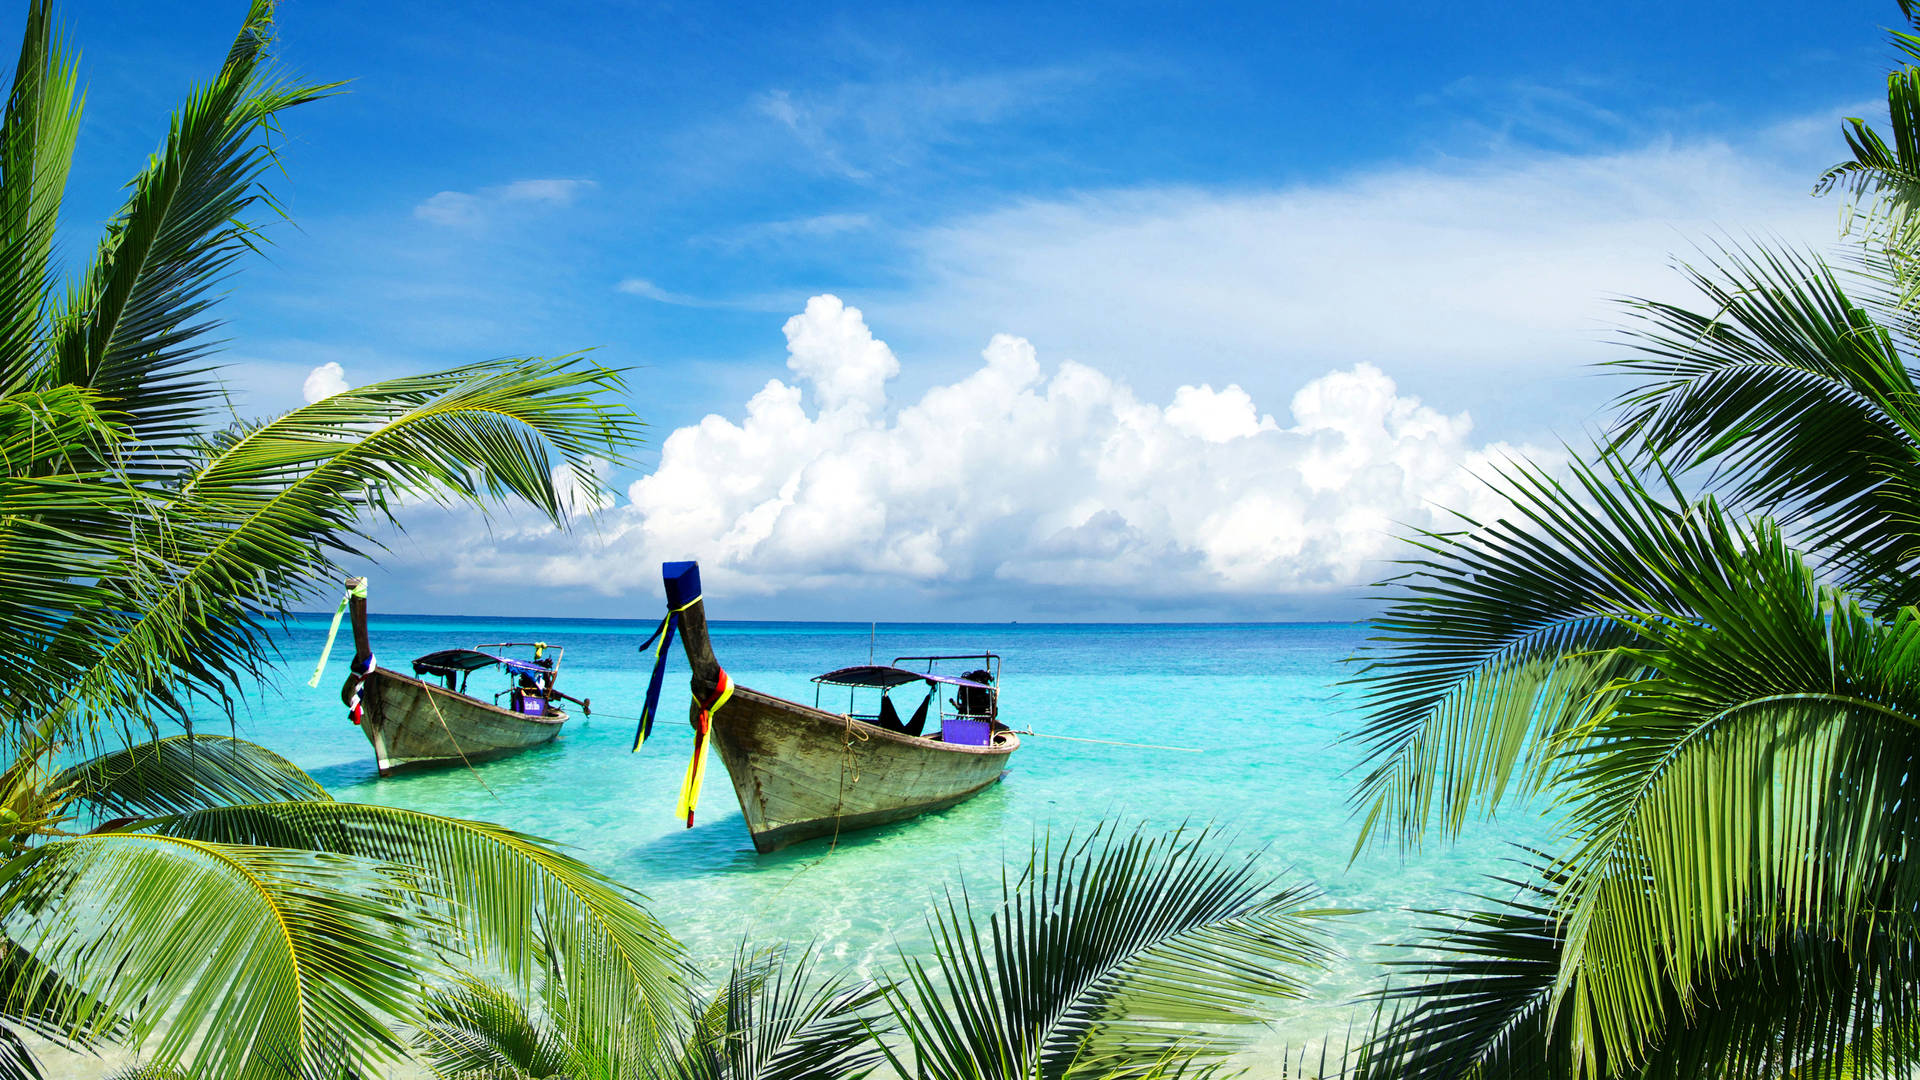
(645, 289)
(467, 209)
(1510, 267)
(648, 290)
(814, 227)
(860, 130)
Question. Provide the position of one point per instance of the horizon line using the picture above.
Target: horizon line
(328, 615)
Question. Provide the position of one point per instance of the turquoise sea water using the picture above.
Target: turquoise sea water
(1261, 703)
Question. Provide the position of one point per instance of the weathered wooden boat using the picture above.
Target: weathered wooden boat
(803, 771)
(431, 717)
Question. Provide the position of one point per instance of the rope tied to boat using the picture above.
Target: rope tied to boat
(333, 631)
(660, 639)
(702, 729)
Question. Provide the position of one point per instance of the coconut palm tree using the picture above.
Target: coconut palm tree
(196, 897)
(1700, 649)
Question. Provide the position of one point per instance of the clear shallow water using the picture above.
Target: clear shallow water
(1259, 701)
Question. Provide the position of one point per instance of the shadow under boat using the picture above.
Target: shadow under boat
(716, 848)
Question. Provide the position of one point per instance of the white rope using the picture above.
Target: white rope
(1114, 742)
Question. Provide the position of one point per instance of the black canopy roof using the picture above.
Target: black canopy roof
(886, 677)
(462, 660)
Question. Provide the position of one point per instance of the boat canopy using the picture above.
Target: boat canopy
(886, 677)
(450, 661)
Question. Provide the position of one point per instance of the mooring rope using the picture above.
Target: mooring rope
(1113, 742)
(437, 715)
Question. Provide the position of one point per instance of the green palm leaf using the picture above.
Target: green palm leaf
(1102, 959)
(37, 135)
(255, 962)
(1752, 787)
(772, 1018)
(183, 773)
(1884, 179)
(264, 515)
(1484, 1004)
(775, 1018)
(1800, 400)
(135, 329)
(1500, 639)
(61, 532)
(516, 903)
(478, 1030)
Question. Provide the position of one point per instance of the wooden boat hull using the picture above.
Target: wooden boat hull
(409, 721)
(801, 773)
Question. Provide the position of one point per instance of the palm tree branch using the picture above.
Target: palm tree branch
(182, 773)
(251, 960)
(601, 940)
(298, 484)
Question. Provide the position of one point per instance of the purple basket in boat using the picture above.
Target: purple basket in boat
(531, 705)
(966, 731)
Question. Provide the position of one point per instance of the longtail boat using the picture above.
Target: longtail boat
(411, 720)
(802, 771)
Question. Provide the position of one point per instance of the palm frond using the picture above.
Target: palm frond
(149, 1072)
(516, 903)
(1798, 398)
(17, 1061)
(1500, 639)
(775, 1018)
(182, 773)
(135, 328)
(1484, 1003)
(248, 961)
(1111, 956)
(1876, 166)
(37, 133)
(1750, 788)
(478, 1030)
(264, 515)
(62, 529)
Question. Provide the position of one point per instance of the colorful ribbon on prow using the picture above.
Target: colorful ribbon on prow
(702, 728)
(661, 639)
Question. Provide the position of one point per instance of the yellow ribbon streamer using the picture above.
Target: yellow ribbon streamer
(697, 768)
(333, 631)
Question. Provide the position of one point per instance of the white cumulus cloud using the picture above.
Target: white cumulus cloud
(1220, 416)
(324, 381)
(1019, 477)
(829, 346)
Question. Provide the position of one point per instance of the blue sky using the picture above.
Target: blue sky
(1426, 202)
